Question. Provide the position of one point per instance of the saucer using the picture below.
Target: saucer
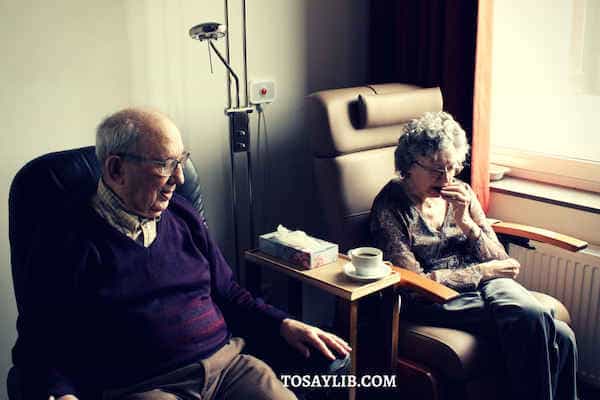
(382, 272)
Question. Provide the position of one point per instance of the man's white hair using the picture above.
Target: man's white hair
(120, 132)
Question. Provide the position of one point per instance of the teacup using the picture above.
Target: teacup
(367, 261)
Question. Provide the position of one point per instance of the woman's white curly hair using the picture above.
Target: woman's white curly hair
(428, 135)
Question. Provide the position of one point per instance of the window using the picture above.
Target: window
(545, 101)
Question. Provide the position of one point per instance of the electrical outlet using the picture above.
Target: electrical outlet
(262, 92)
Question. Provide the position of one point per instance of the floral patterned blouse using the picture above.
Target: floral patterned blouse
(445, 255)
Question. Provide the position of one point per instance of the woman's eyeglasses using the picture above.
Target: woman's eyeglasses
(163, 167)
(438, 172)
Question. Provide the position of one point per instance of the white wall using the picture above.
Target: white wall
(68, 63)
(64, 65)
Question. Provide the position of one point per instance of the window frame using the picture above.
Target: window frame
(549, 168)
(555, 170)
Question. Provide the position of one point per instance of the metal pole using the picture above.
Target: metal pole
(234, 196)
(249, 153)
(245, 52)
(227, 54)
(231, 153)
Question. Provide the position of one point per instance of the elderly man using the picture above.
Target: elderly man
(147, 285)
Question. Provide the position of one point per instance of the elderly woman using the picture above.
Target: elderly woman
(430, 222)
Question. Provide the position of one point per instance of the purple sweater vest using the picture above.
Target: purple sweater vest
(137, 312)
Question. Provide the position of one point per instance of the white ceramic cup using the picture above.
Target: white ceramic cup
(367, 261)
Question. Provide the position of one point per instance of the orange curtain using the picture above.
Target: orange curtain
(480, 153)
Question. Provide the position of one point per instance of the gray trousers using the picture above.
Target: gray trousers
(540, 353)
(227, 374)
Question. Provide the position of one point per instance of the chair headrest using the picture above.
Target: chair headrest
(377, 110)
(340, 123)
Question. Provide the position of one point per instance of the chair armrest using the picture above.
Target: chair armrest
(441, 293)
(538, 234)
(425, 286)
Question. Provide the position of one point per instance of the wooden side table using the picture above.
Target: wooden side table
(331, 279)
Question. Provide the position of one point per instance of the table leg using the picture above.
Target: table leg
(295, 298)
(252, 277)
(390, 329)
(347, 319)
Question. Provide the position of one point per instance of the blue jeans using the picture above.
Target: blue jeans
(540, 352)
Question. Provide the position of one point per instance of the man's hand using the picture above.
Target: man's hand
(508, 268)
(65, 397)
(302, 337)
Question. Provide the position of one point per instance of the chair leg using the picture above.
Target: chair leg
(13, 383)
(416, 381)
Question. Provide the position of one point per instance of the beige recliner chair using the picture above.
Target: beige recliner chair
(353, 143)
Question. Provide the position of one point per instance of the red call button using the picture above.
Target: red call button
(263, 91)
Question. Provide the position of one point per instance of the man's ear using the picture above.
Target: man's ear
(114, 169)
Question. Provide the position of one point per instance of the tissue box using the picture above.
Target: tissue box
(326, 254)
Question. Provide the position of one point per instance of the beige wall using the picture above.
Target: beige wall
(68, 63)
(583, 225)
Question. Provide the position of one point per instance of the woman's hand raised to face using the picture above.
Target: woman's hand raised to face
(458, 195)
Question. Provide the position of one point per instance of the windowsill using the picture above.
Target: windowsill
(557, 195)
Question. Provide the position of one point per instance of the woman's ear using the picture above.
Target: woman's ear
(114, 169)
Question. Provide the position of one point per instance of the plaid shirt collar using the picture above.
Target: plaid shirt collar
(110, 207)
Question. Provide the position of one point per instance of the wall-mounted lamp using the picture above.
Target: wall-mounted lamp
(208, 30)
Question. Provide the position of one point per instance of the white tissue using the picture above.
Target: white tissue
(297, 239)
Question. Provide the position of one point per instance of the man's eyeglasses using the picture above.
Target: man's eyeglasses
(163, 167)
(438, 172)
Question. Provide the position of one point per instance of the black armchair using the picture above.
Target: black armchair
(41, 194)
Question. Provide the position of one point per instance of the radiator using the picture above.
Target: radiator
(574, 279)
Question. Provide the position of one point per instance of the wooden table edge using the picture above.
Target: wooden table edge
(294, 271)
